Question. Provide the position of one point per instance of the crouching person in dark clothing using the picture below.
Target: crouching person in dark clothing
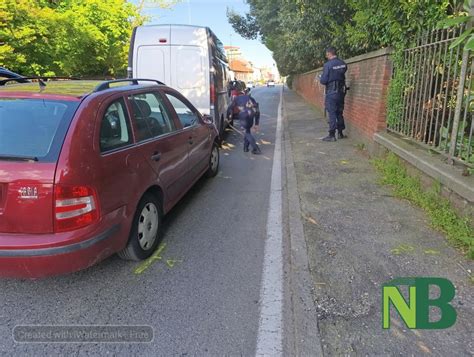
(249, 114)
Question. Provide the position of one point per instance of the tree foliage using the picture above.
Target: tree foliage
(68, 37)
(298, 31)
(467, 37)
(393, 23)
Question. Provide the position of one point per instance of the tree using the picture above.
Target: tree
(393, 23)
(298, 31)
(462, 17)
(68, 37)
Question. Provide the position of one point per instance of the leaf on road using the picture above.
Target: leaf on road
(432, 252)
(344, 162)
(423, 347)
(311, 220)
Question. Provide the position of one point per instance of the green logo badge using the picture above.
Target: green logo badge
(416, 311)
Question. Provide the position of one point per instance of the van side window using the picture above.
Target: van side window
(150, 116)
(115, 127)
(186, 115)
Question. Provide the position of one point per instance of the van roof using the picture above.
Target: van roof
(183, 25)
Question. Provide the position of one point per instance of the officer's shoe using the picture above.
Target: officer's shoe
(329, 138)
(246, 149)
(256, 151)
(340, 135)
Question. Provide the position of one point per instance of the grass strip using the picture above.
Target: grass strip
(442, 215)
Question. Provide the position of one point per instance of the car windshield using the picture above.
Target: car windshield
(33, 128)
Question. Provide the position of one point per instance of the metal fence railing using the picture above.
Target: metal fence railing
(438, 98)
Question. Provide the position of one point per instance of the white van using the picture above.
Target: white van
(190, 59)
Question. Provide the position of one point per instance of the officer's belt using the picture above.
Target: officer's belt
(336, 86)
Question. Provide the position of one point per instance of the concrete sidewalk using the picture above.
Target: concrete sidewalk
(359, 236)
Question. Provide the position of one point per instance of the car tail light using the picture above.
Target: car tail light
(213, 93)
(74, 207)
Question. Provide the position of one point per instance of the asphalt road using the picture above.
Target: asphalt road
(201, 297)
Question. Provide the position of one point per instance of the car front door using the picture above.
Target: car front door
(199, 136)
(164, 146)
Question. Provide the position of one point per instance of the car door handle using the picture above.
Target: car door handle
(156, 156)
(190, 140)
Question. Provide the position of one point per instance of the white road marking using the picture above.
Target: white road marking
(270, 329)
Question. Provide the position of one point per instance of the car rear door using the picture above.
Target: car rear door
(163, 145)
(199, 135)
(121, 166)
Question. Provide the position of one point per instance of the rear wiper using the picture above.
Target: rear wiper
(18, 158)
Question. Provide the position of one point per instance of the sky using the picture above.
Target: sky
(212, 13)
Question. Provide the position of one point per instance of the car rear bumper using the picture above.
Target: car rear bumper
(61, 253)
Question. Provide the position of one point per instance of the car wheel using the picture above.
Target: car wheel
(146, 228)
(213, 162)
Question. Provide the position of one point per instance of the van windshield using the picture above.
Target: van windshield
(33, 128)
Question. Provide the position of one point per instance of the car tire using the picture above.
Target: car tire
(213, 162)
(145, 234)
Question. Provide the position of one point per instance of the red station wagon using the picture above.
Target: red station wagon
(88, 168)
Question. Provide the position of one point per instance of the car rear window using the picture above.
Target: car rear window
(33, 128)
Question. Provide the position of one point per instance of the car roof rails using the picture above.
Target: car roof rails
(38, 78)
(106, 85)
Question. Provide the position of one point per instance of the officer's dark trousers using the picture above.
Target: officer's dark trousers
(246, 121)
(335, 106)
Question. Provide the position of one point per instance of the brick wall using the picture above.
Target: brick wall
(365, 107)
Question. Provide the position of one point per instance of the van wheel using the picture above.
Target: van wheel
(213, 162)
(146, 228)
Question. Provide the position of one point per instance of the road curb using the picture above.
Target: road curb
(306, 337)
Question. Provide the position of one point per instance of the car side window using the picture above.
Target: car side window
(150, 116)
(186, 115)
(115, 127)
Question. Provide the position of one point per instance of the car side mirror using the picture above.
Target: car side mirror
(207, 119)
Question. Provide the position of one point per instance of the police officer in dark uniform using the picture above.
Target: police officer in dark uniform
(334, 78)
(248, 114)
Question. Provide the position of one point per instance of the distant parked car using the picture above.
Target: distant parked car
(271, 83)
(89, 168)
(250, 84)
(7, 74)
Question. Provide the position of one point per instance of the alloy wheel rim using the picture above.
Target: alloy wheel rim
(148, 226)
